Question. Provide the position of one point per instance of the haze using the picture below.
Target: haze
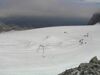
(49, 8)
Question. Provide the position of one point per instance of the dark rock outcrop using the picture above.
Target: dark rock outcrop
(95, 19)
(91, 68)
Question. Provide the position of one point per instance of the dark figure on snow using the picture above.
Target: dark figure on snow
(81, 41)
(42, 48)
(87, 35)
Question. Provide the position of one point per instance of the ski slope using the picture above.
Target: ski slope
(47, 51)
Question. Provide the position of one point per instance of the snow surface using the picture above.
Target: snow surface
(47, 51)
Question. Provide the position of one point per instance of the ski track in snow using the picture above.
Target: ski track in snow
(47, 51)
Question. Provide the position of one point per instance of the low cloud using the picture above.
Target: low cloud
(47, 8)
(92, 1)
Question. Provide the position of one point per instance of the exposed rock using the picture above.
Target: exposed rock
(94, 60)
(95, 19)
(91, 68)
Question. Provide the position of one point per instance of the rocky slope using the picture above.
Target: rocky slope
(95, 19)
(91, 68)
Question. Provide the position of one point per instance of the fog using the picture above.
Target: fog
(48, 8)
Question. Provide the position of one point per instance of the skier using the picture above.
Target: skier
(87, 35)
(42, 47)
(81, 41)
(85, 42)
(65, 32)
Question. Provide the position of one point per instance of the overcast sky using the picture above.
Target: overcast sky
(51, 8)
